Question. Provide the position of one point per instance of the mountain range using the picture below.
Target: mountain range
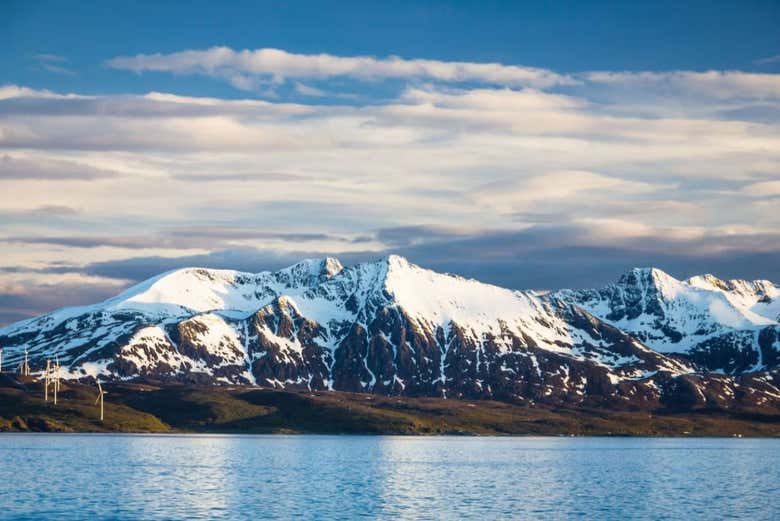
(393, 328)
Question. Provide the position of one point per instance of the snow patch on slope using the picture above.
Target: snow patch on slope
(671, 315)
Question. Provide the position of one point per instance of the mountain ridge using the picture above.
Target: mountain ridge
(391, 327)
(695, 317)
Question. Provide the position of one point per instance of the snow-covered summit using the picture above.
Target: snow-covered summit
(436, 299)
(449, 298)
(183, 292)
(761, 297)
(697, 316)
(190, 290)
(651, 291)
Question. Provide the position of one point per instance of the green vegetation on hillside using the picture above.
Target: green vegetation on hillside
(75, 411)
(178, 408)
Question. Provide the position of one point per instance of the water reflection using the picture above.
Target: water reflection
(192, 474)
(331, 477)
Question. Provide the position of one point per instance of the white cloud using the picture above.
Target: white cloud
(20, 168)
(716, 84)
(763, 189)
(263, 68)
(644, 161)
(506, 100)
(244, 68)
(53, 63)
(455, 158)
(307, 90)
(15, 91)
(561, 190)
(564, 184)
(768, 59)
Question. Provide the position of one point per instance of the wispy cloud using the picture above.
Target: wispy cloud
(53, 63)
(308, 90)
(50, 210)
(182, 238)
(716, 84)
(263, 68)
(769, 59)
(247, 67)
(247, 177)
(48, 169)
(763, 189)
(26, 297)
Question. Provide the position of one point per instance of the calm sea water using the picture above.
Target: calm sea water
(354, 477)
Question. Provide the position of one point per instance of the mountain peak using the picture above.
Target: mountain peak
(708, 281)
(648, 270)
(645, 276)
(175, 289)
(442, 298)
(332, 265)
(396, 261)
(310, 272)
(759, 287)
(194, 289)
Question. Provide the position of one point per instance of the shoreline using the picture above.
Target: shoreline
(194, 434)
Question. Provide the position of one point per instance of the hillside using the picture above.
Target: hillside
(158, 408)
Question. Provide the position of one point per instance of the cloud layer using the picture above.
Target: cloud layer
(250, 69)
(520, 176)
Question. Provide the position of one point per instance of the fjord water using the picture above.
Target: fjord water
(195, 477)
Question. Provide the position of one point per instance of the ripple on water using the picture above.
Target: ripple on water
(364, 477)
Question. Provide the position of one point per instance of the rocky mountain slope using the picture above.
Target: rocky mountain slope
(393, 328)
(725, 326)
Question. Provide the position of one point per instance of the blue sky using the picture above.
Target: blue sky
(529, 144)
(562, 36)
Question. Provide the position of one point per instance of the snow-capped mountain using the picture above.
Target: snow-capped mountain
(727, 326)
(85, 337)
(391, 327)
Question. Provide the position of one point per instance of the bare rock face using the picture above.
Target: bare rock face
(393, 328)
(283, 348)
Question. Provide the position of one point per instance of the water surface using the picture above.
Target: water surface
(194, 477)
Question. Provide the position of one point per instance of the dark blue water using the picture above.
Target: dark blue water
(88, 477)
